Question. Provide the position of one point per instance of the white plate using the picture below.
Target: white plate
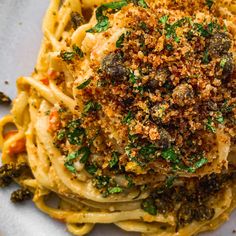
(20, 36)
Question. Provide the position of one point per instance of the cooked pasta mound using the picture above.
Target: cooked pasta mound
(129, 117)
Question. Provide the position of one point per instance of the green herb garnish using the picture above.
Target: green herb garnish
(130, 181)
(209, 125)
(133, 78)
(223, 62)
(205, 58)
(70, 167)
(170, 155)
(74, 133)
(113, 190)
(78, 51)
(169, 47)
(91, 169)
(209, 3)
(227, 108)
(61, 134)
(102, 20)
(143, 26)
(197, 165)
(171, 29)
(101, 26)
(115, 160)
(84, 152)
(102, 181)
(91, 106)
(84, 84)
(164, 19)
(148, 150)
(206, 31)
(192, 169)
(69, 162)
(67, 56)
(220, 119)
(142, 3)
(200, 28)
(212, 26)
(170, 181)
(127, 118)
(149, 206)
(120, 41)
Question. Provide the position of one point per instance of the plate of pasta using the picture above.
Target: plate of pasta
(124, 121)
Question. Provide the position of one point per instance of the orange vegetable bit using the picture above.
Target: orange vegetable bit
(18, 146)
(54, 121)
(45, 81)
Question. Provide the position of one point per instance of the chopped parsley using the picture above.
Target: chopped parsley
(169, 47)
(223, 62)
(113, 163)
(101, 181)
(102, 20)
(210, 125)
(171, 29)
(200, 28)
(91, 106)
(227, 108)
(84, 84)
(148, 150)
(170, 180)
(206, 31)
(170, 155)
(114, 190)
(140, 3)
(149, 206)
(191, 169)
(130, 181)
(75, 134)
(213, 26)
(83, 153)
(78, 51)
(163, 20)
(72, 156)
(220, 119)
(205, 58)
(69, 162)
(133, 78)
(61, 134)
(168, 184)
(127, 119)
(120, 41)
(209, 3)
(69, 56)
(143, 26)
(70, 167)
(91, 169)
(197, 165)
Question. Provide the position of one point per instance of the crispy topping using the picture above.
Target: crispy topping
(21, 195)
(155, 101)
(4, 99)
